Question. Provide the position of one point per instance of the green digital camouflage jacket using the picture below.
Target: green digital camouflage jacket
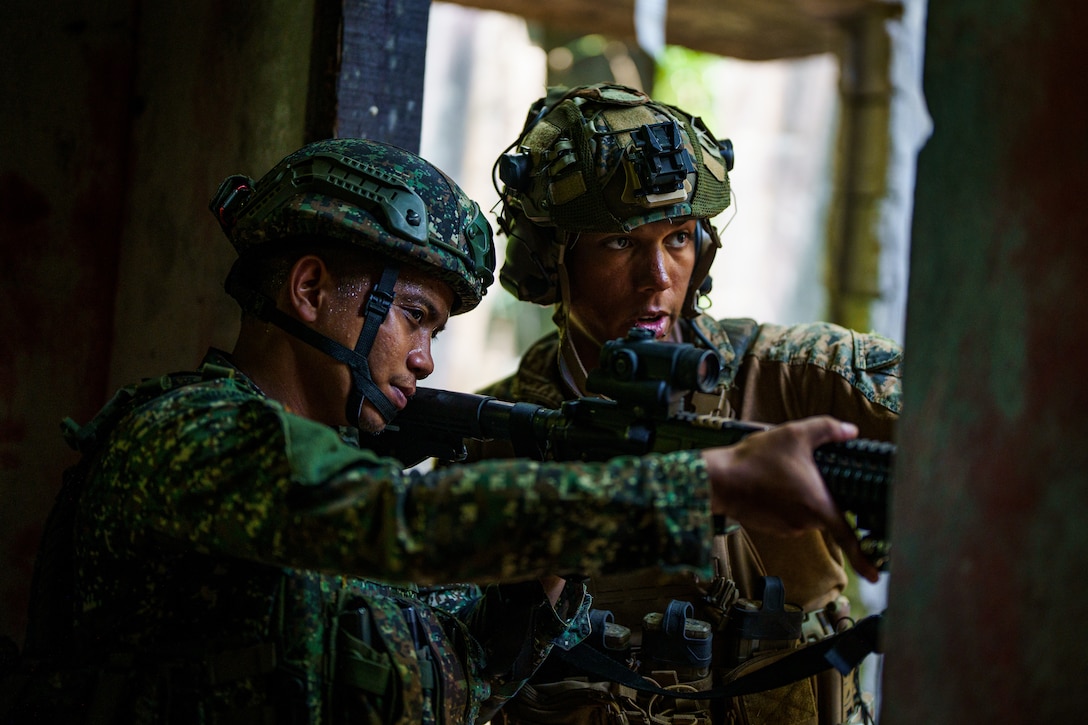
(233, 562)
(770, 374)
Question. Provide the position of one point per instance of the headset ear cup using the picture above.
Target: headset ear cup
(530, 271)
(701, 238)
(706, 248)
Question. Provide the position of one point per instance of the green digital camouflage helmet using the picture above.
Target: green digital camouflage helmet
(382, 198)
(371, 194)
(605, 158)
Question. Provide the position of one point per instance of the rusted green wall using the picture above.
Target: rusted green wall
(66, 110)
(988, 615)
(119, 119)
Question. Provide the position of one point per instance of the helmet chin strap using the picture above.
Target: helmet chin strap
(378, 303)
(362, 384)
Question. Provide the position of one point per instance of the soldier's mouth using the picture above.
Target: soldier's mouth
(658, 324)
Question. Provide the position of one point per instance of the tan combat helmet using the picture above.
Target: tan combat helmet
(605, 158)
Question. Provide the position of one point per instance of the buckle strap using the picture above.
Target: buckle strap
(843, 651)
(377, 307)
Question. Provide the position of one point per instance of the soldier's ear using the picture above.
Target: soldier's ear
(309, 288)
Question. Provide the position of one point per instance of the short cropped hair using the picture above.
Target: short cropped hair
(265, 268)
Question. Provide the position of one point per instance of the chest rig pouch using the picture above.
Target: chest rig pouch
(692, 638)
(398, 660)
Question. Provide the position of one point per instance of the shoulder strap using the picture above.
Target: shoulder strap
(740, 332)
(89, 437)
(843, 651)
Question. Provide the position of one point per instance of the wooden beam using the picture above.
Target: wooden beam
(746, 29)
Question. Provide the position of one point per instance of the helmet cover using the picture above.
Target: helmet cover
(371, 194)
(605, 158)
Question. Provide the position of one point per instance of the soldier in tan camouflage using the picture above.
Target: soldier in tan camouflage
(229, 550)
(607, 198)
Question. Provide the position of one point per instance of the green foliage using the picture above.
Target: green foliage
(685, 78)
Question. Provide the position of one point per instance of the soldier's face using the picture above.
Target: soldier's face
(401, 354)
(630, 279)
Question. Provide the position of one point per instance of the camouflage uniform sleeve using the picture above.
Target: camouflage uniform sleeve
(790, 372)
(794, 371)
(238, 475)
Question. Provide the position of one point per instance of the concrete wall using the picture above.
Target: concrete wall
(119, 119)
(988, 614)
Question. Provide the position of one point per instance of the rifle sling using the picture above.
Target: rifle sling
(843, 651)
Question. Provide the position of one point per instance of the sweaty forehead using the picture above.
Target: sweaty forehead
(660, 228)
(425, 288)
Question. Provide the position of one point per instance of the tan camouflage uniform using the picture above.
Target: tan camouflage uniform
(220, 539)
(787, 372)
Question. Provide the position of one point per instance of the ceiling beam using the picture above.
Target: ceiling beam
(746, 29)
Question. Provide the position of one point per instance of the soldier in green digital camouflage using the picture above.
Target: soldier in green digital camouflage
(229, 551)
(607, 198)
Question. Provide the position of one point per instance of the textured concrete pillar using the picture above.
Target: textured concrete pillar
(988, 614)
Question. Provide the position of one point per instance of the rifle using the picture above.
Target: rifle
(645, 382)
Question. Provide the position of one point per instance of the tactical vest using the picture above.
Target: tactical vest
(393, 656)
(689, 636)
(692, 639)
